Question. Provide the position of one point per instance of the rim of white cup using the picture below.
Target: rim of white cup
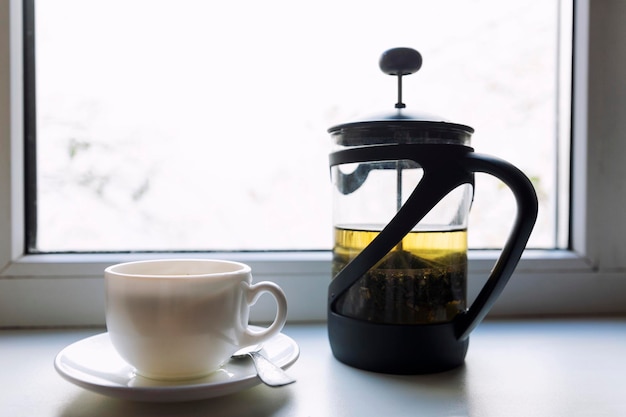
(112, 270)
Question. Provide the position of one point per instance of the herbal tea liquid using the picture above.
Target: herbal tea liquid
(422, 280)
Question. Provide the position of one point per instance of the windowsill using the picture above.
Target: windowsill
(550, 368)
(89, 264)
(68, 289)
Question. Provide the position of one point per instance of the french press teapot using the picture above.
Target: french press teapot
(403, 187)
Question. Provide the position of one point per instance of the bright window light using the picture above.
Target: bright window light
(201, 126)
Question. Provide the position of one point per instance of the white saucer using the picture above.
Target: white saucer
(93, 364)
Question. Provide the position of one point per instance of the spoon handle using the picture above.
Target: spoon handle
(270, 373)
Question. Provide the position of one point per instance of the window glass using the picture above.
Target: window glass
(196, 125)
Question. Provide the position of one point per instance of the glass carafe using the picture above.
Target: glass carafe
(403, 187)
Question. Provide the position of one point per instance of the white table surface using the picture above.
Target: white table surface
(513, 368)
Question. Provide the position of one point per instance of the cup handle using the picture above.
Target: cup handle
(253, 292)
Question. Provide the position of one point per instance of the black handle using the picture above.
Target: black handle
(445, 168)
(527, 208)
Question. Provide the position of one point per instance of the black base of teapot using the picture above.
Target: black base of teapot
(395, 349)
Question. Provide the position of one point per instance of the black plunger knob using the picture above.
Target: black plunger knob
(399, 62)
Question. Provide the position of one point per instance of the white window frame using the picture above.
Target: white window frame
(67, 290)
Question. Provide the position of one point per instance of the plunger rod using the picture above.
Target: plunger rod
(399, 246)
(400, 104)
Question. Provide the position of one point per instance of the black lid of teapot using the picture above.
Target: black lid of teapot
(401, 126)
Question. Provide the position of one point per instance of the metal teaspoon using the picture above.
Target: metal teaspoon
(271, 374)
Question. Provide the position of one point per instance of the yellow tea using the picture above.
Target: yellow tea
(422, 280)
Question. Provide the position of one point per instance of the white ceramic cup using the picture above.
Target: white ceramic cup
(182, 319)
